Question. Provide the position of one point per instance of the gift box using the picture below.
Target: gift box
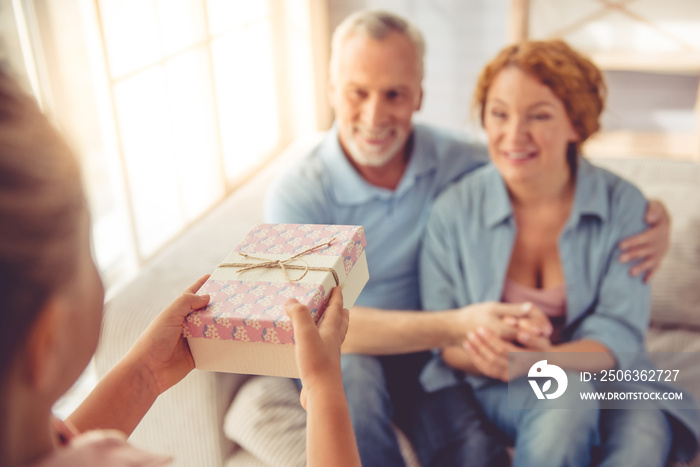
(245, 329)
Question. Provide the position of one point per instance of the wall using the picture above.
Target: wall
(462, 35)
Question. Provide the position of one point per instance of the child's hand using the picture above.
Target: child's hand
(318, 347)
(159, 359)
(161, 351)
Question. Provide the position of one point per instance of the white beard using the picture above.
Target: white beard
(375, 158)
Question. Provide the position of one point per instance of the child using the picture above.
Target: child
(53, 297)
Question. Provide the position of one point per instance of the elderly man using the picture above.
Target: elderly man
(377, 169)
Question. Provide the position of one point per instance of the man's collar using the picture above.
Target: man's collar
(348, 185)
(422, 158)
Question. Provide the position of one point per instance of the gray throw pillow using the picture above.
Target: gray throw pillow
(676, 286)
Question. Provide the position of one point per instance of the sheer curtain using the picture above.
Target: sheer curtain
(170, 104)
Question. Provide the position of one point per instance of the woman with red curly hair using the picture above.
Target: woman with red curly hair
(541, 225)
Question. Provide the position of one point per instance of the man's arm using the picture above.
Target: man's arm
(650, 246)
(376, 331)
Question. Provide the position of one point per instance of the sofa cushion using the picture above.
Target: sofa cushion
(676, 286)
(680, 348)
(267, 421)
(268, 424)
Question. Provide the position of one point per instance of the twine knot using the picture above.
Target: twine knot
(284, 265)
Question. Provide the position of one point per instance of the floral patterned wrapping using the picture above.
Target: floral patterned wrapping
(290, 239)
(253, 311)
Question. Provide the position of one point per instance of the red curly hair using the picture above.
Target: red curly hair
(573, 78)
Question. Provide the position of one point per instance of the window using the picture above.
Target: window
(170, 104)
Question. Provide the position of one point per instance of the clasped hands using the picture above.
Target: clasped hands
(494, 330)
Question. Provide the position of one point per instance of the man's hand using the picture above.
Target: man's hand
(533, 324)
(650, 246)
(499, 318)
(161, 351)
(318, 347)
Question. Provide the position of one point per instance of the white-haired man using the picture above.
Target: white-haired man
(377, 169)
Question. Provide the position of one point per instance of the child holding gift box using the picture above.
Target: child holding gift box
(52, 297)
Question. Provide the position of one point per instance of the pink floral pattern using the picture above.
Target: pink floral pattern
(253, 311)
(290, 239)
(258, 317)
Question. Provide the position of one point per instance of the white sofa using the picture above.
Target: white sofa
(188, 421)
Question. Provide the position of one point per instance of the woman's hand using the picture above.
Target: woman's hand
(489, 353)
(458, 358)
(650, 246)
(318, 347)
(534, 343)
(487, 347)
(161, 351)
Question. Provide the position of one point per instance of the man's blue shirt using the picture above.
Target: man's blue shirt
(324, 188)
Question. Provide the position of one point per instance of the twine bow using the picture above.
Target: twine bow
(284, 265)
